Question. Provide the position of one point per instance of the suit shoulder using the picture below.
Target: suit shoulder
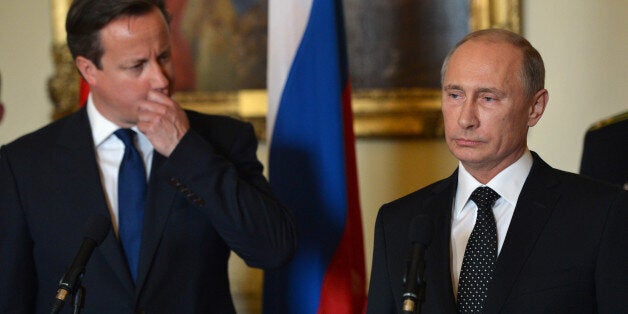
(38, 139)
(576, 182)
(223, 133)
(421, 194)
(408, 206)
(202, 122)
(542, 174)
(616, 123)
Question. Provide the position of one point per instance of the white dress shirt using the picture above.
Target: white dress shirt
(109, 153)
(507, 184)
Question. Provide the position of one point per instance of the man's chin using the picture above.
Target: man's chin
(128, 123)
(467, 155)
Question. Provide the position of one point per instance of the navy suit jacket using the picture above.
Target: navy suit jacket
(566, 249)
(604, 157)
(207, 199)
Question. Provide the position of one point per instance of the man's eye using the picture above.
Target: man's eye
(136, 68)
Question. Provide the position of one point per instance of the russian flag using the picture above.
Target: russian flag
(312, 166)
(83, 92)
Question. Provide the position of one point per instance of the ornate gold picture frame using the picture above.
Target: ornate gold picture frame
(378, 112)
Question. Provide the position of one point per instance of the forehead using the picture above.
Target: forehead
(490, 58)
(129, 29)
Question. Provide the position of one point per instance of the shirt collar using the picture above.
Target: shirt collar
(508, 183)
(102, 128)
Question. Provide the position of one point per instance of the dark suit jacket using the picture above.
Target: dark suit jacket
(208, 198)
(566, 250)
(605, 153)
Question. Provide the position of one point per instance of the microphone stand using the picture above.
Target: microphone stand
(78, 301)
(420, 234)
(77, 294)
(413, 298)
(71, 283)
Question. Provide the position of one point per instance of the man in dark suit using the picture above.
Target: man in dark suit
(544, 240)
(605, 154)
(205, 196)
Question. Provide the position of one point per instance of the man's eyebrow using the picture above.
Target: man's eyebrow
(165, 50)
(452, 86)
(491, 90)
(132, 62)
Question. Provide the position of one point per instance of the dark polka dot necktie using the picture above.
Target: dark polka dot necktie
(479, 255)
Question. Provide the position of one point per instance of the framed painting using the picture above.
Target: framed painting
(395, 49)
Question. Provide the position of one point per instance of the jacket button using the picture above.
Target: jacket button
(175, 182)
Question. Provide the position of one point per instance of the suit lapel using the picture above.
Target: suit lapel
(77, 169)
(534, 207)
(158, 205)
(440, 205)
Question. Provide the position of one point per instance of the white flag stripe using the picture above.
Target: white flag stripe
(287, 20)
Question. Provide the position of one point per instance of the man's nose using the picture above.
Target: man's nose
(468, 115)
(159, 78)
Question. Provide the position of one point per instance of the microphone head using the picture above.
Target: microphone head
(421, 230)
(97, 228)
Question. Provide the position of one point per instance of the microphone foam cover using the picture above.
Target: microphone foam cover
(97, 228)
(421, 230)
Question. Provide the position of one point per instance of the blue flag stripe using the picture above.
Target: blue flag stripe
(306, 163)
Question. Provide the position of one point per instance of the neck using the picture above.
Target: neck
(484, 172)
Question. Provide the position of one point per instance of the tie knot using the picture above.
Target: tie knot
(126, 136)
(484, 197)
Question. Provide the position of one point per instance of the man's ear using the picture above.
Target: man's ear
(87, 69)
(538, 107)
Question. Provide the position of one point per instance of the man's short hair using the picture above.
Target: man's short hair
(87, 17)
(532, 73)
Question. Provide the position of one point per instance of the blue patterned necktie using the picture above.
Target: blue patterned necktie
(131, 199)
(479, 255)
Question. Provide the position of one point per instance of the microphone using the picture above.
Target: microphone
(420, 235)
(96, 230)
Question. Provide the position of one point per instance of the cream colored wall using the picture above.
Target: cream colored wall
(585, 48)
(583, 43)
(25, 64)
